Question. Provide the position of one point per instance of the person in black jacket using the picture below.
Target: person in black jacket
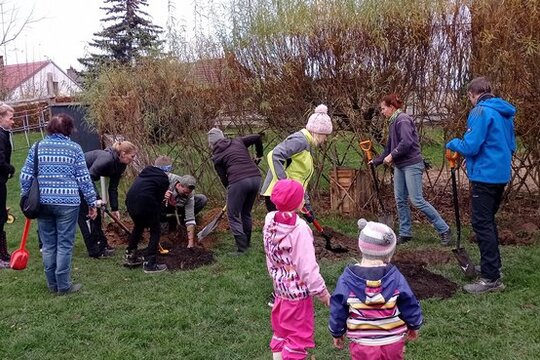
(6, 172)
(144, 200)
(240, 175)
(111, 163)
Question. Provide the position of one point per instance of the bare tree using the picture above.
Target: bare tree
(13, 23)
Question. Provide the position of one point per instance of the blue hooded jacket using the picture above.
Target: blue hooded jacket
(489, 142)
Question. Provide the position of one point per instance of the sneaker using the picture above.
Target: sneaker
(72, 289)
(478, 270)
(484, 285)
(153, 268)
(132, 259)
(403, 239)
(271, 300)
(4, 264)
(446, 237)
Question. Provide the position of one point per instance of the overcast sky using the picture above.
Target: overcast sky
(66, 27)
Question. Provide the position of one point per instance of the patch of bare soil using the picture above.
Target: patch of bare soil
(179, 256)
(424, 283)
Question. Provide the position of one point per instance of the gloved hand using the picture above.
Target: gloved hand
(100, 203)
(257, 160)
(309, 215)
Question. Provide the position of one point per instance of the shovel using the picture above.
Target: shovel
(212, 225)
(327, 237)
(460, 253)
(19, 258)
(162, 251)
(383, 217)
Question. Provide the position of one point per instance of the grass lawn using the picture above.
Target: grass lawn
(220, 312)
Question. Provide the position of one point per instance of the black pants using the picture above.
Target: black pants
(241, 196)
(485, 202)
(92, 232)
(3, 201)
(140, 222)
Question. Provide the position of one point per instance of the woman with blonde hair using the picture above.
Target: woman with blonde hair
(111, 163)
(6, 172)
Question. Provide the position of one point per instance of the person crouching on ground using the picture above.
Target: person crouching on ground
(143, 201)
(182, 202)
(240, 175)
(373, 302)
(291, 263)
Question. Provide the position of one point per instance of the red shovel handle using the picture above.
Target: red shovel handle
(318, 226)
(26, 229)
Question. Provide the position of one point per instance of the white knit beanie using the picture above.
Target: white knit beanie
(376, 241)
(319, 122)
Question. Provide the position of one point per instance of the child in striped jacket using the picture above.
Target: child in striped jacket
(291, 263)
(373, 303)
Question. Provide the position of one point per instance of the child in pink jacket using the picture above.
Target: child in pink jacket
(291, 263)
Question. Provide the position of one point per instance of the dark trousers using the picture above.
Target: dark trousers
(92, 232)
(241, 196)
(140, 222)
(485, 202)
(269, 204)
(3, 200)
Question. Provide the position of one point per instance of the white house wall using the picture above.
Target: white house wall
(36, 86)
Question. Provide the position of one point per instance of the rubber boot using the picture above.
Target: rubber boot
(4, 255)
(242, 243)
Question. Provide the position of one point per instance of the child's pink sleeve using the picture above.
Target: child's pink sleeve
(303, 256)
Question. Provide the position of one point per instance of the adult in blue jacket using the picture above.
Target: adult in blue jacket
(487, 146)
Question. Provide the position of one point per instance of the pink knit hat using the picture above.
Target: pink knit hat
(287, 195)
(376, 241)
(319, 122)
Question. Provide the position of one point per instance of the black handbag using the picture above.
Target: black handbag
(30, 202)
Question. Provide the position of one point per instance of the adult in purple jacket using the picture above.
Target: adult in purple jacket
(240, 175)
(402, 151)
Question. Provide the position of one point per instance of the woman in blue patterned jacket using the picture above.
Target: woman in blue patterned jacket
(62, 172)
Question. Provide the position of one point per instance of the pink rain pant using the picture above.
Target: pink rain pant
(293, 324)
(385, 352)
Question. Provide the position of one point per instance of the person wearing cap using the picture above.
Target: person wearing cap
(373, 304)
(240, 175)
(181, 199)
(291, 263)
(144, 200)
(292, 158)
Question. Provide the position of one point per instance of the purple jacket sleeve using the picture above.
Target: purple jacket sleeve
(405, 130)
(409, 307)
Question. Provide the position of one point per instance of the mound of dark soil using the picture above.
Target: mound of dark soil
(424, 283)
(179, 256)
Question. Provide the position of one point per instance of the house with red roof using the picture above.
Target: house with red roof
(33, 80)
